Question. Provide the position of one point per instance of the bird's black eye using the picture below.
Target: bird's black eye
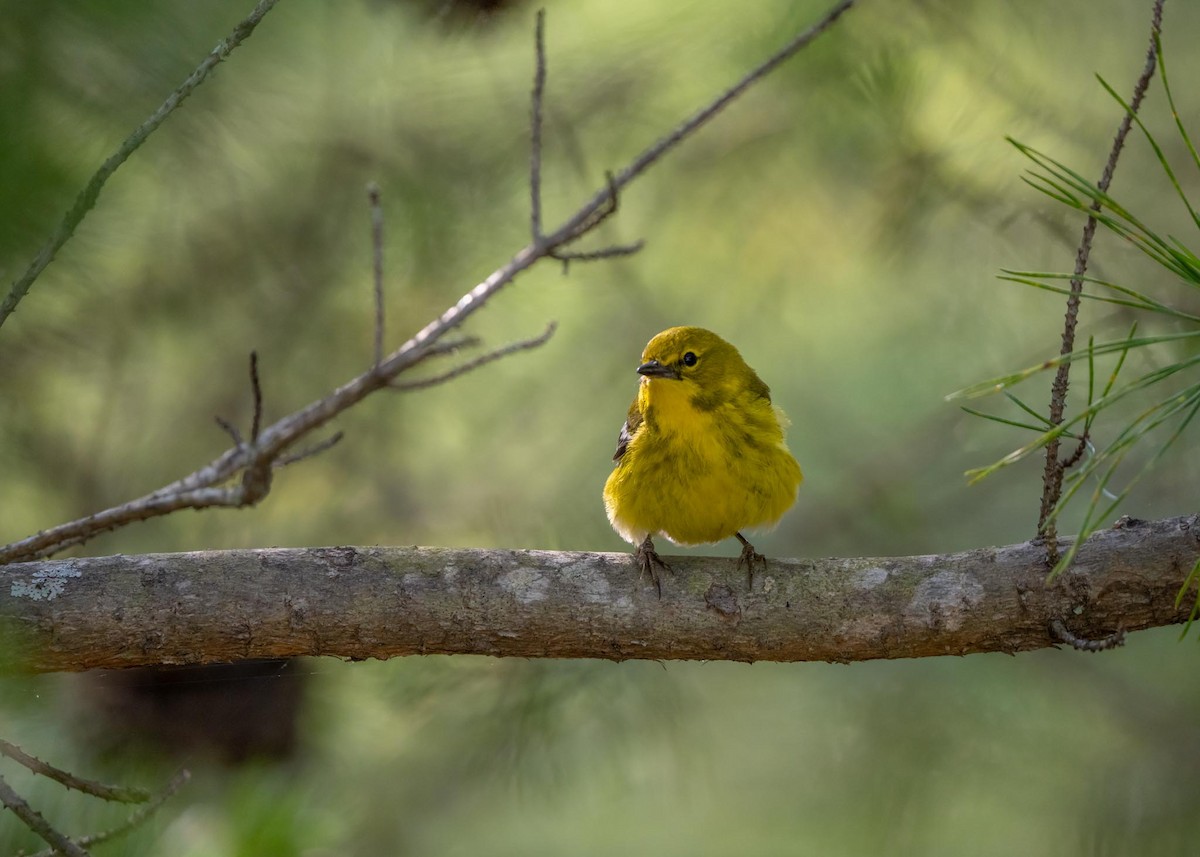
(689, 359)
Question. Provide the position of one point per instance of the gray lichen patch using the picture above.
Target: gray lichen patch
(590, 582)
(527, 585)
(869, 578)
(870, 627)
(45, 585)
(944, 601)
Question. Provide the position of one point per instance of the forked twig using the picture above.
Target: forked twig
(599, 216)
(230, 429)
(256, 420)
(173, 785)
(32, 819)
(477, 362)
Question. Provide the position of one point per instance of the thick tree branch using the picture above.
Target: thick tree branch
(355, 603)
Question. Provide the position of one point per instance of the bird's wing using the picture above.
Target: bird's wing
(759, 387)
(633, 420)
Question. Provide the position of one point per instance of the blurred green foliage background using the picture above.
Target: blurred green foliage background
(842, 224)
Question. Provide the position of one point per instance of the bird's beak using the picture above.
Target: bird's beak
(654, 369)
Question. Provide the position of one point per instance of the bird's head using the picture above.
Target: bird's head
(703, 362)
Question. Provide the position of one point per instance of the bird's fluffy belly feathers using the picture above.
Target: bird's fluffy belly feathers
(698, 476)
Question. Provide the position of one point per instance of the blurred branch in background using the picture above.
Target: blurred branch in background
(357, 603)
(87, 197)
(255, 460)
(135, 819)
(100, 790)
(60, 843)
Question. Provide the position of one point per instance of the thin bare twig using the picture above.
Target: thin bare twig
(87, 197)
(647, 158)
(121, 794)
(611, 252)
(256, 420)
(592, 213)
(1080, 448)
(210, 485)
(599, 216)
(377, 266)
(608, 207)
(481, 360)
(230, 429)
(256, 390)
(173, 785)
(452, 346)
(1052, 476)
(32, 819)
(535, 129)
(1060, 632)
(537, 102)
(315, 449)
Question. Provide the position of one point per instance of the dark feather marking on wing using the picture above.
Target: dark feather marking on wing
(759, 387)
(633, 421)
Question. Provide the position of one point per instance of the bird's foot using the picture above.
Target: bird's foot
(650, 562)
(748, 558)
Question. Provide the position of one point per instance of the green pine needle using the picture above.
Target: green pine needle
(1193, 577)
(1099, 464)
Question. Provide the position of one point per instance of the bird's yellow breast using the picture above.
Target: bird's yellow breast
(702, 465)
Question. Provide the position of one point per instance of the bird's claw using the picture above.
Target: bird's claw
(650, 562)
(748, 557)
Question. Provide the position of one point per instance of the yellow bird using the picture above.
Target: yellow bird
(702, 454)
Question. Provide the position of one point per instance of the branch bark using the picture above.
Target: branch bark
(380, 602)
